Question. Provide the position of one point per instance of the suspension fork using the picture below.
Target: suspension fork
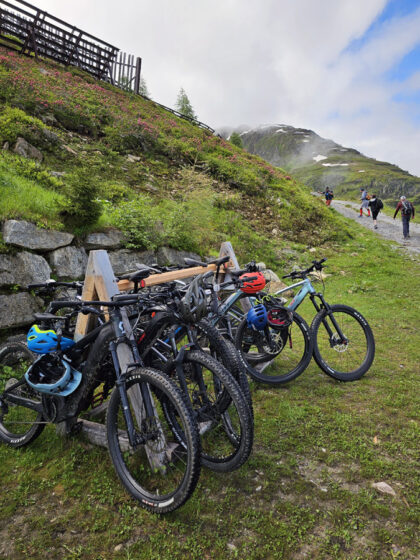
(330, 314)
(125, 344)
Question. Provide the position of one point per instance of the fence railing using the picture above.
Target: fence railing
(28, 29)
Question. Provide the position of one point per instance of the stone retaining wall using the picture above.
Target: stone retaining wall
(40, 254)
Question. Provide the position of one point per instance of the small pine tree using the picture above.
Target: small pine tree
(81, 209)
(236, 140)
(184, 106)
(143, 89)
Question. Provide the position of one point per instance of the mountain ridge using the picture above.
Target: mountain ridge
(319, 162)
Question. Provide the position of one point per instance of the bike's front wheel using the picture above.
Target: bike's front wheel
(223, 415)
(348, 355)
(19, 425)
(159, 472)
(275, 355)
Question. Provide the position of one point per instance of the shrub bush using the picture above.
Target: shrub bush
(15, 122)
(81, 209)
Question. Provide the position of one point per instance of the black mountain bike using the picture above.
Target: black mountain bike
(150, 461)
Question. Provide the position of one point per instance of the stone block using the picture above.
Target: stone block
(23, 269)
(125, 260)
(28, 236)
(17, 310)
(23, 148)
(108, 240)
(69, 262)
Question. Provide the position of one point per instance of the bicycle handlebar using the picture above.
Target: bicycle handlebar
(316, 265)
(53, 285)
(122, 302)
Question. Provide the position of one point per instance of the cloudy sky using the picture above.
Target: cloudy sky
(347, 69)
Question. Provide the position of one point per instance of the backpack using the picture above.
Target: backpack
(379, 204)
(329, 195)
(406, 208)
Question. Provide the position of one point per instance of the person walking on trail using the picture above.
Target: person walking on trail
(407, 212)
(364, 202)
(376, 205)
(329, 195)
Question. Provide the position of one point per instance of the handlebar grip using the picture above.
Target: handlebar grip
(35, 286)
(193, 262)
(61, 304)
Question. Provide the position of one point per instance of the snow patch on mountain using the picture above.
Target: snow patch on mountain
(319, 158)
(335, 164)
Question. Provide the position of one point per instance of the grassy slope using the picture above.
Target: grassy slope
(180, 170)
(306, 492)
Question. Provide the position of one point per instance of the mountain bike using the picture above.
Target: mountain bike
(169, 342)
(344, 345)
(278, 353)
(58, 385)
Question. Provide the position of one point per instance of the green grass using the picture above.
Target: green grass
(26, 199)
(306, 490)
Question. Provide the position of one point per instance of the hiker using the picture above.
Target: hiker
(329, 195)
(407, 211)
(376, 205)
(364, 202)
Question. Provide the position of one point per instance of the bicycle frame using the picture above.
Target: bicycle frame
(308, 289)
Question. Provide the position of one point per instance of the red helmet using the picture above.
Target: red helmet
(255, 283)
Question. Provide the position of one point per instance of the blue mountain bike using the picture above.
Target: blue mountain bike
(343, 342)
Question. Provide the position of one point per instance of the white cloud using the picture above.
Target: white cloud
(242, 61)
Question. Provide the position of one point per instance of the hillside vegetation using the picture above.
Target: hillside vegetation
(113, 159)
(321, 163)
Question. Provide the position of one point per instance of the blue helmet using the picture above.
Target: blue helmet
(43, 341)
(54, 376)
(257, 317)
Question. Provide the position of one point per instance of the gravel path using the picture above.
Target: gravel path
(387, 227)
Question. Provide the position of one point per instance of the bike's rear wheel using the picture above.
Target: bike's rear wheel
(19, 425)
(345, 359)
(224, 418)
(287, 357)
(166, 484)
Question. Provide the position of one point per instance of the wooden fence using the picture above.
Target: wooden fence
(27, 29)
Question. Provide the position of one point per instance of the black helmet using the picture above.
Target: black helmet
(193, 306)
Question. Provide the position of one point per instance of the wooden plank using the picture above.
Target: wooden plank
(96, 434)
(155, 279)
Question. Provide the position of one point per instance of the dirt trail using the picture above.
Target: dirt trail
(387, 227)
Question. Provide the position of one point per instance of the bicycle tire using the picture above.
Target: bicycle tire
(224, 418)
(252, 348)
(336, 360)
(15, 358)
(225, 351)
(159, 489)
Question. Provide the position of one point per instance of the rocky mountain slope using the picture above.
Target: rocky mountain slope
(319, 163)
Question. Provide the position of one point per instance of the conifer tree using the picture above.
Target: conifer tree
(236, 140)
(184, 106)
(143, 88)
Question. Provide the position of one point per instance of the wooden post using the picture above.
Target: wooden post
(226, 249)
(137, 76)
(99, 284)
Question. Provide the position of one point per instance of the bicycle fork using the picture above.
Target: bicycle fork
(324, 305)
